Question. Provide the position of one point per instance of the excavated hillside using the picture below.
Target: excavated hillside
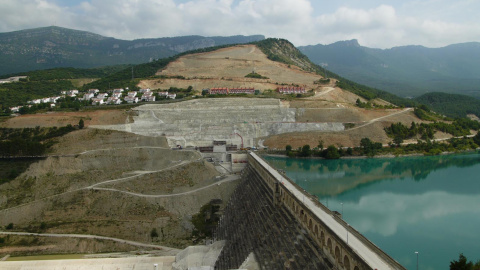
(113, 184)
(191, 123)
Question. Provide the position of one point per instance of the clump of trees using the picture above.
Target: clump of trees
(463, 264)
(29, 141)
(255, 75)
(331, 152)
(205, 221)
(371, 105)
(370, 148)
(459, 127)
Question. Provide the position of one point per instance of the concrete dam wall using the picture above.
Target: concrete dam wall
(286, 228)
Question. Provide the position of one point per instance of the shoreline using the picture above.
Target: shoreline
(379, 156)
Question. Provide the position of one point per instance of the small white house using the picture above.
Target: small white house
(113, 100)
(102, 95)
(93, 91)
(171, 96)
(54, 99)
(130, 99)
(97, 101)
(88, 96)
(148, 96)
(117, 95)
(15, 109)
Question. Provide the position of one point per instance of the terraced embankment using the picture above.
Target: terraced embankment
(200, 122)
(123, 188)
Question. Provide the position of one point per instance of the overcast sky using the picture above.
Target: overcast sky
(375, 23)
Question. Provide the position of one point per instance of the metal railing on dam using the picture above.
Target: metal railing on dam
(287, 228)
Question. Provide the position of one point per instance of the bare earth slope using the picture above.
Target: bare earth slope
(227, 68)
(123, 188)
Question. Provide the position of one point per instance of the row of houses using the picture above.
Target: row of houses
(117, 97)
(131, 97)
(282, 90)
(291, 90)
(227, 91)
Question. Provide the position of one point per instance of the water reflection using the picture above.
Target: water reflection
(425, 204)
(333, 177)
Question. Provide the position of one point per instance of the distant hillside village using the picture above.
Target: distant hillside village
(116, 96)
(120, 95)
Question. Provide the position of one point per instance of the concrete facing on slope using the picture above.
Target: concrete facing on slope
(201, 121)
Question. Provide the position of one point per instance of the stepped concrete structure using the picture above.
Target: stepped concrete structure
(199, 122)
(287, 228)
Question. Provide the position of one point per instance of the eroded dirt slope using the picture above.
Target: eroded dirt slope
(113, 185)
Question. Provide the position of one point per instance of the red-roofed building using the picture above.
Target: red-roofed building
(218, 91)
(241, 91)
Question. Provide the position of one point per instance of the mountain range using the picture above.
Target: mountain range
(51, 47)
(405, 71)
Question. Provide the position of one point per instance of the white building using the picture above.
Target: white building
(130, 99)
(97, 101)
(88, 96)
(102, 95)
(113, 100)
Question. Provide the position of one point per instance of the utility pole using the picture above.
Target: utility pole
(132, 73)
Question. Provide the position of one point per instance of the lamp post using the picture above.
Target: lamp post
(416, 252)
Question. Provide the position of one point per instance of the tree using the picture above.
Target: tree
(81, 124)
(476, 139)
(288, 148)
(320, 145)
(398, 140)
(153, 233)
(461, 264)
(306, 151)
(332, 152)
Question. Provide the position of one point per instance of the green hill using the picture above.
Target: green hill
(452, 105)
(407, 70)
(50, 47)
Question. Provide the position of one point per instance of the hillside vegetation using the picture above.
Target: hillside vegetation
(50, 47)
(406, 70)
(452, 105)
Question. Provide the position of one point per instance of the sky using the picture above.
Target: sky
(374, 23)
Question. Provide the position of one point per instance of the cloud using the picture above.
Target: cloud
(296, 20)
(384, 213)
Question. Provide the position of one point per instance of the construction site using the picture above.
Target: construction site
(152, 169)
(238, 121)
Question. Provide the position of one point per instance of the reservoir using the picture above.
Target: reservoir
(426, 204)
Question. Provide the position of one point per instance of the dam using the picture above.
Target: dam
(284, 227)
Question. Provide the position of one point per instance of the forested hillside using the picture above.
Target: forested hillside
(452, 105)
(49, 47)
(404, 71)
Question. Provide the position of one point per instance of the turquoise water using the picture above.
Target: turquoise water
(425, 204)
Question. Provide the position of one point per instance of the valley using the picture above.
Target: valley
(136, 176)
